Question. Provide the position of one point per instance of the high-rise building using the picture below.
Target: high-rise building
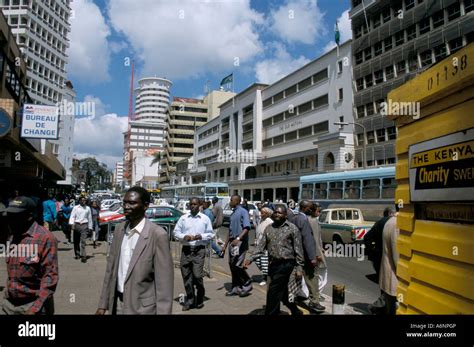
(41, 30)
(392, 42)
(152, 99)
(185, 115)
(63, 148)
(118, 174)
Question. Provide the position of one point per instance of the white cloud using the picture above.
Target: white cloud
(89, 51)
(298, 21)
(271, 70)
(117, 47)
(185, 39)
(345, 31)
(100, 137)
(99, 107)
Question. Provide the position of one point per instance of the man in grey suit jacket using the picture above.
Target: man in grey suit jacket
(140, 275)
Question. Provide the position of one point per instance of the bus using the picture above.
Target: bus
(202, 190)
(370, 190)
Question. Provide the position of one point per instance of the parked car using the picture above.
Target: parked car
(163, 214)
(183, 206)
(343, 225)
(107, 216)
(105, 204)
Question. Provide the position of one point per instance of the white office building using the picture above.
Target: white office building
(269, 136)
(118, 174)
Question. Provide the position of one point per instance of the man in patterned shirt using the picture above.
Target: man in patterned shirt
(32, 262)
(282, 240)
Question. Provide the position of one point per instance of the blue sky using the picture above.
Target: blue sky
(189, 42)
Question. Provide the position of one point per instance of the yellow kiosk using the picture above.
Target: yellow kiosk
(434, 113)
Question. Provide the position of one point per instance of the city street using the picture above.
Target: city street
(80, 284)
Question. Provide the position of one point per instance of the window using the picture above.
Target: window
(468, 5)
(305, 107)
(424, 25)
(388, 188)
(335, 190)
(411, 32)
(370, 189)
(291, 136)
(412, 63)
(378, 48)
(267, 102)
(378, 76)
(370, 108)
(278, 97)
(426, 58)
(438, 19)
(278, 139)
(304, 83)
(359, 57)
(386, 14)
(278, 118)
(360, 139)
(267, 122)
(376, 21)
(388, 43)
(368, 53)
(360, 84)
(440, 52)
(339, 66)
(352, 189)
(389, 72)
(307, 191)
(401, 67)
(321, 101)
(361, 111)
(399, 38)
(321, 127)
(392, 133)
(323, 216)
(290, 91)
(340, 94)
(454, 11)
(308, 131)
(370, 137)
(267, 143)
(409, 4)
(320, 191)
(381, 135)
(368, 81)
(455, 45)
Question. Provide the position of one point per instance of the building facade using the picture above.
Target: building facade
(393, 41)
(269, 135)
(118, 174)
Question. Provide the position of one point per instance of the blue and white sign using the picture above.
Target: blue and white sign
(5, 122)
(40, 122)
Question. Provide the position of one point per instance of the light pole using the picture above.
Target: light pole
(364, 156)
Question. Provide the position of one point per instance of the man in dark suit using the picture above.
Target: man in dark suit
(140, 275)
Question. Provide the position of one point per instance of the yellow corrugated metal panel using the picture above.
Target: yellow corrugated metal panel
(401, 169)
(452, 276)
(448, 240)
(404, 245)
(405, 220)
(449, 121)
(402, 309)
(403, 269)
(442, 81)
(402, 192)
(436, 301)
(413, 310)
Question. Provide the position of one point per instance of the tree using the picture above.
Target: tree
(97, 174)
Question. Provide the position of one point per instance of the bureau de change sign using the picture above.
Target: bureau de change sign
(40, 122)
(442, 169)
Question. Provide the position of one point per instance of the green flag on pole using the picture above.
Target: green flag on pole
(337, 35)
(227, 79)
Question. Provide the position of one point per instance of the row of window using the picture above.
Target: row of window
(297, 110)
(37, 49)
(208, 146)
(405, 35)
(376, 136)
(289, 165)
(414, 63)
(209, 132)
(43, 72)
(204, 162)
(375, 188)
(297, 134)
(296, 88)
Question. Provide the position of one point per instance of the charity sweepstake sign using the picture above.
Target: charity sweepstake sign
(40, 122)
(442, 169)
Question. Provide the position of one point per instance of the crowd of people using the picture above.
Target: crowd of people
(139, 272)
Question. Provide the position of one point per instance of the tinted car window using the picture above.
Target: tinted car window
(322, 217)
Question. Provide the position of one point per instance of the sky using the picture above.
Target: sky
(190, 42)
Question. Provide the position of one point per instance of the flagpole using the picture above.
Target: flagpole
(233, 96)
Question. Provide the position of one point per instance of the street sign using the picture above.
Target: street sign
(442, 169)
(5, 122)
(40, 122)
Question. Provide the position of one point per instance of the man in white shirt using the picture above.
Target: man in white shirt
(81, 224)
(194, 231)
(139, 277)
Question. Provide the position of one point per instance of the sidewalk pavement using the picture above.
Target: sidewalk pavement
(80, 285)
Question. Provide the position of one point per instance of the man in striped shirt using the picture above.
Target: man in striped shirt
(32, 262)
